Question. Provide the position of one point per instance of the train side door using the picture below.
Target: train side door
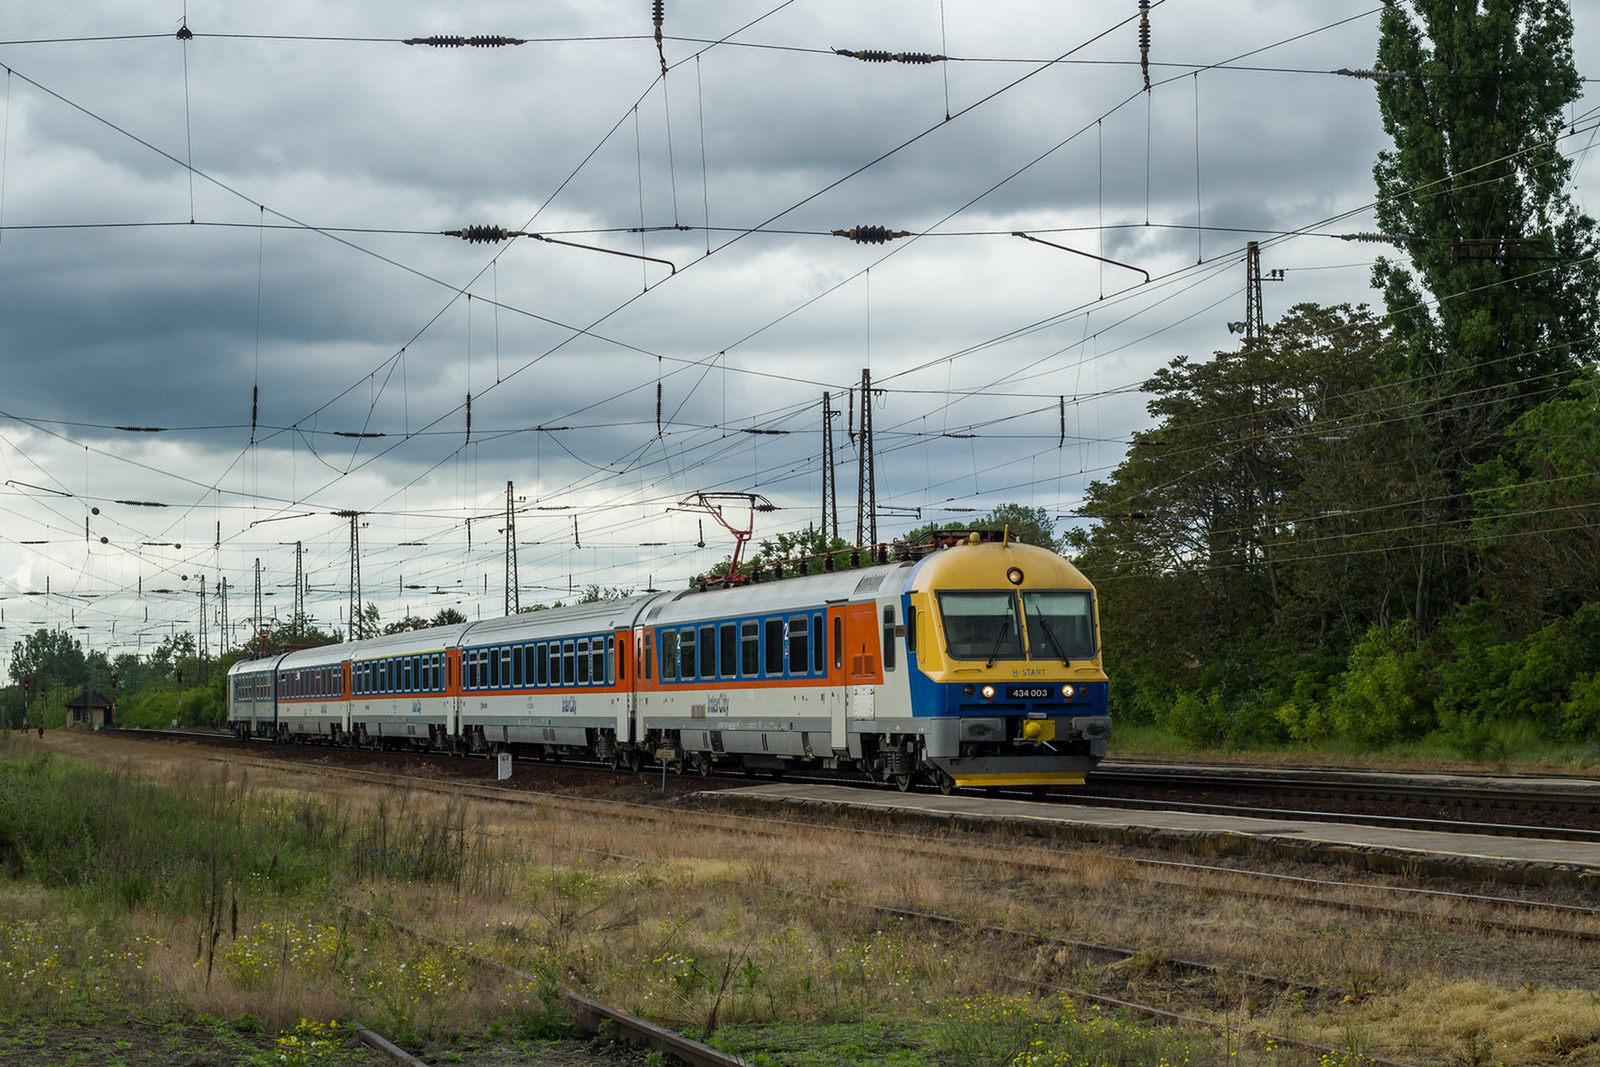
(636, 680)
(452, 688)
(855, 654)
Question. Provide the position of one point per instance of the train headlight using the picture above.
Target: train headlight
(1067, 691)
(969, 690)
(1014, 575)
(988, 692)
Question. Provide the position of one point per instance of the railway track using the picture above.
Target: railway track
(1407, 907)
(1493, 793)
(1513, 916)
(1566, 814)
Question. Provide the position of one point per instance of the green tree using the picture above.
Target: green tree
(1475, 191)
(1031, 526)
(1538, 506)
(52, 659)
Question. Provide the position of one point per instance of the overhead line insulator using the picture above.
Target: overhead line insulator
(658, 11)
(871, 235)
(1371, 75)
(879, 55)
(483, 235)
(1144, 41)
(457, 41)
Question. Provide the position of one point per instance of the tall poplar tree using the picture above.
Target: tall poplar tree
(1498, 307)
(1496, 312)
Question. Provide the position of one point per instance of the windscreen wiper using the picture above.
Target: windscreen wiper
(1005, 628)
(1051, 634)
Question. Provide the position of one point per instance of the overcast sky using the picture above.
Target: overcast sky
(236, 239)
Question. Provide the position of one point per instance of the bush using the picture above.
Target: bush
(1580, 715)
(1382, 697)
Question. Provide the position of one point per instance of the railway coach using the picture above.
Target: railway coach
(976, 664)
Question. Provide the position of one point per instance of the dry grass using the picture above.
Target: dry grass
(708, 922)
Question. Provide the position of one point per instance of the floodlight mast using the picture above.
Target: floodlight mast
(713, 504)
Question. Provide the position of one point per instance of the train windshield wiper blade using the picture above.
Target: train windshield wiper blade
(1051, 634)
(1005, 628)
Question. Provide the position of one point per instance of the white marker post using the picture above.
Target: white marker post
(505, 765)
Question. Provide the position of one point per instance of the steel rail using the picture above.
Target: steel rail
(587, 1013)
(1393, 822)
(385, 1046)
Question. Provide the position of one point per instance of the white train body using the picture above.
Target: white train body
(974, 665)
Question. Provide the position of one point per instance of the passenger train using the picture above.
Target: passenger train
(975, 664)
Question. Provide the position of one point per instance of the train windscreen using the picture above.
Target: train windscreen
(981, 625)
(1060, 624)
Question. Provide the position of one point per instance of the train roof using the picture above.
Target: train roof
(773, 597)
(984, 565)
(598, 616)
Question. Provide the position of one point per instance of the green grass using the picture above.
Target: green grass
(1022, 1031)
(114, 841)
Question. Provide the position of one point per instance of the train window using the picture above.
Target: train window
(838, 642)
(888, 637)
(750, 648)
(583, 662)
(819, 646)
(649, 653)
(981, 625)
(686, 655)
(730, 650)
(708, 652)
(669, 655)
(606, 664)
(405, 675)
(911, 628)
(570, 671)
(543, 664)
(1060, 624)
(799, 644)
(774, 629)
(494, 668)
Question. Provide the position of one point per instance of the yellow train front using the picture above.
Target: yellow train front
(1007, 687)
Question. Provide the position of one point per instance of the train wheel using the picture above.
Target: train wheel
(704, 763)
(902, 782)
(677, 767)
(615, 760)
(947, 784)
(635, 760)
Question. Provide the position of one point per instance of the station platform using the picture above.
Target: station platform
(1515, 860)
